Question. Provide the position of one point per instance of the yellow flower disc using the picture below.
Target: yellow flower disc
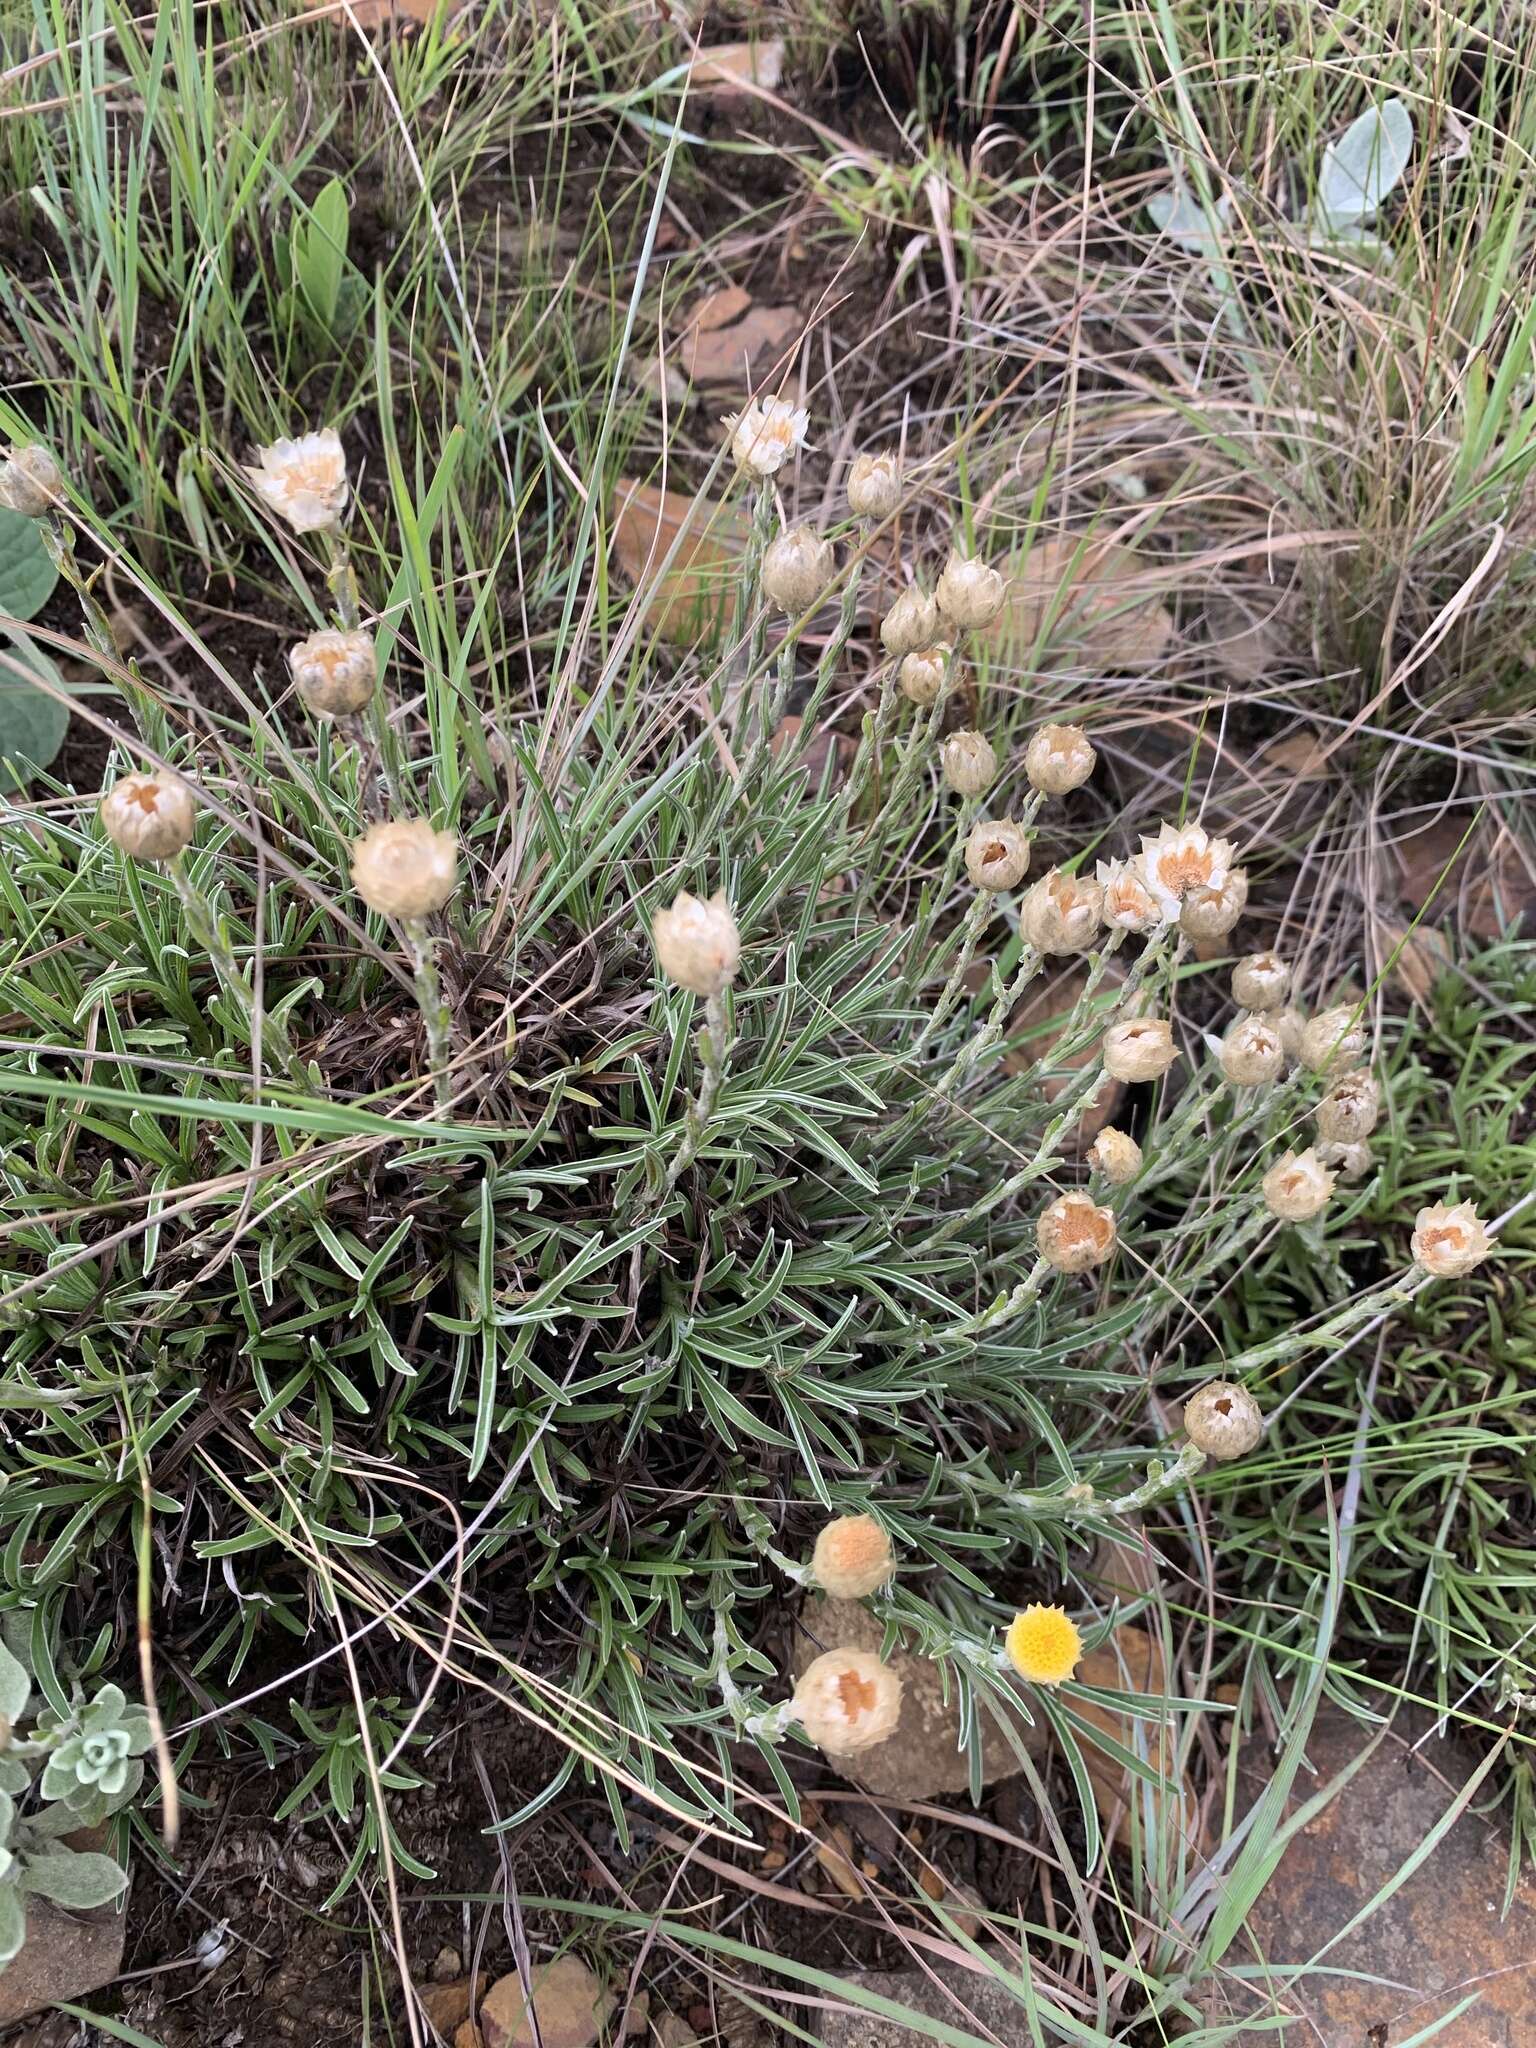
(1043, 1645)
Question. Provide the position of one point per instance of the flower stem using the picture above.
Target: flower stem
(266, 1031)
(714, 1050)
(435, 1013)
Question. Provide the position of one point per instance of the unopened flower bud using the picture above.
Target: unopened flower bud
(1139, 1049)
(1223, 1420)
(1251, 1053)
(852, 1558)
(1450, 1241)
(874, 485)
(1129, 905)
(405, 869)
(847, 1700)
(997, 855)
(31, 482)
(1334, 1039)
(303, 481)
(797, 567)
(1061, 913)
(1348, 1112)
(911, 624)
(1290, 1023)
(1043, 1644)
(1261, 981)
(766, 433)
(969, 764)
(1297, 1187)
(1352, 1160)
(1059, 758)
(970, 595)
(1116, 1155)
(149, 816)
(1211, 913)
(1074, 1233)
(923, 673)
(697, 943)
(335, 672)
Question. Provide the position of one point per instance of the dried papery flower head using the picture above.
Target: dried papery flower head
(1352, 1160)
(1290, 1023)
(847, 1700)
(968, 762)
(874, 485)
(797, 568)
(1179, 858)
(997, 854)
(911, 624)
(1074, 1233)
(1129, 905)
(303, 481)
(923, 673)
(335, 672)
(31, 482)
(1211, 913)
(697, 943)
(1334, 1039)
(970, 594)
(1261, 981)
(1251, 1053)
(1297, 1187)
(1348, 1112)
(150, 816)
(1116, 1155)
(1450, 1241)
(852, 1558)
(1043, 1645)
(1139, 1049)
(765, 433)
(1061, 913)
(1223, 1420)
(1059, 758)
(405, 868)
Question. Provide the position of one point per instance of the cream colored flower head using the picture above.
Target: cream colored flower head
(766, 433)
(31, 482)
(1252, 1053)
(1129, 905)
(303, 481)
(923, 673)
(847, 1700)
(997, 855)
(1261, 981)
(335, 672)
(1062, 913)
(968, 762)
(1180, 858)
(1290, 1023)
(970, 594)
(852, 1558)
(406, 869)
(1297, 1187)
(911, 624)
(874, 485)
(1348, 1112)
(1448, 1242)
(1074, 1233)
(1352, 1160)
(797, 568)
(149, 816)
(1059, 758)
(697, 943)
(1223, 1420)
(1139, 1049)
(1334, 1039)
(1116, 1155)
(1211, 913)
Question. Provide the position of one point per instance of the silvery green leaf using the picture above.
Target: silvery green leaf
(1364, 165)
(15, 1686)
(15, 1777)
(79, 1878)
(13, 1923)
(1178, 214)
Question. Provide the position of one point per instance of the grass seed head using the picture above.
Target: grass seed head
(1059, 758)
(1297, 1187)
(847, 1700)
(335, 672)
(697, 943)
(1223, 1420)
(405, 868)
(997, 854)
(150, 816)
